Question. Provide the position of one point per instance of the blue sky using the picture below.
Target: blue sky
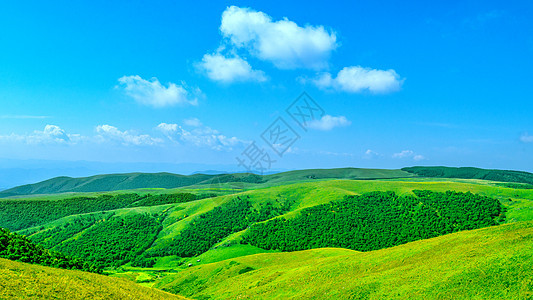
(400, 84)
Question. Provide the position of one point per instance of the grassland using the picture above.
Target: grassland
(490, 263)
(465, 264)
(25, 281)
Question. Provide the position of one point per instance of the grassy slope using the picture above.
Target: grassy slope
(312, 193)
(25, 281)
(490, 263)
(518, 201)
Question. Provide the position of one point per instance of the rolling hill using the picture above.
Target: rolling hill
(129, 181)
(202, 248)
(489, 263)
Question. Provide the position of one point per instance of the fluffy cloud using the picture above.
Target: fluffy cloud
(358, 79)
(229, 69)
(408, 154)
(526, 138)
(283, 42)
(153, 93)
(112, 133)
(52, 134)
(329, 122)
(199, 135)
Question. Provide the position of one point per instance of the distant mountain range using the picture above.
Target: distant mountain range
(128, 181)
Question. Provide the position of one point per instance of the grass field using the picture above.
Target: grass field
(463, 264)
(490, 263)
(25, 281)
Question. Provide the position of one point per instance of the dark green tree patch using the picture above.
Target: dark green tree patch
(19, 248)
(377, 220)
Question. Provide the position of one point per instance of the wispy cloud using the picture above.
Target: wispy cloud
(199, 135)
(370, 154)
(328, 122)
(51, 134)
(526, 138)
(108, 133)
(408, 154)
(153, 93)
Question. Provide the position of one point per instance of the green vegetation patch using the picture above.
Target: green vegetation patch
(211, 227)
(377, 220)
(19, 248)
(21, 214)
(114, 241)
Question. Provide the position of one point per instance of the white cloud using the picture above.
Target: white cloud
(329, 122)
(229, 69)
(200, 135)
(112, 133)
(403, 154)
(153, 93)
(357, 79)
(526, 138)
(408, 154)
(283, 42)
(52, 134)
(168, 128)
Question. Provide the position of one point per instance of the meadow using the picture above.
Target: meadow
(200, 247)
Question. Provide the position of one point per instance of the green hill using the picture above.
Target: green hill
(115, 182)
(25, 281)
(473, 173)
(168, 235)
(489, 263)
(152, 239)
(103, 183)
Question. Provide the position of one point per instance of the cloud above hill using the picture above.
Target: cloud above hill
(408, 154)
(51, 134)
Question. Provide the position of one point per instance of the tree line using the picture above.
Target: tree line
(20, 214)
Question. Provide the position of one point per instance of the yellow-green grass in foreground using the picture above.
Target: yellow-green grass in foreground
(489, 263)
(25, 281)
